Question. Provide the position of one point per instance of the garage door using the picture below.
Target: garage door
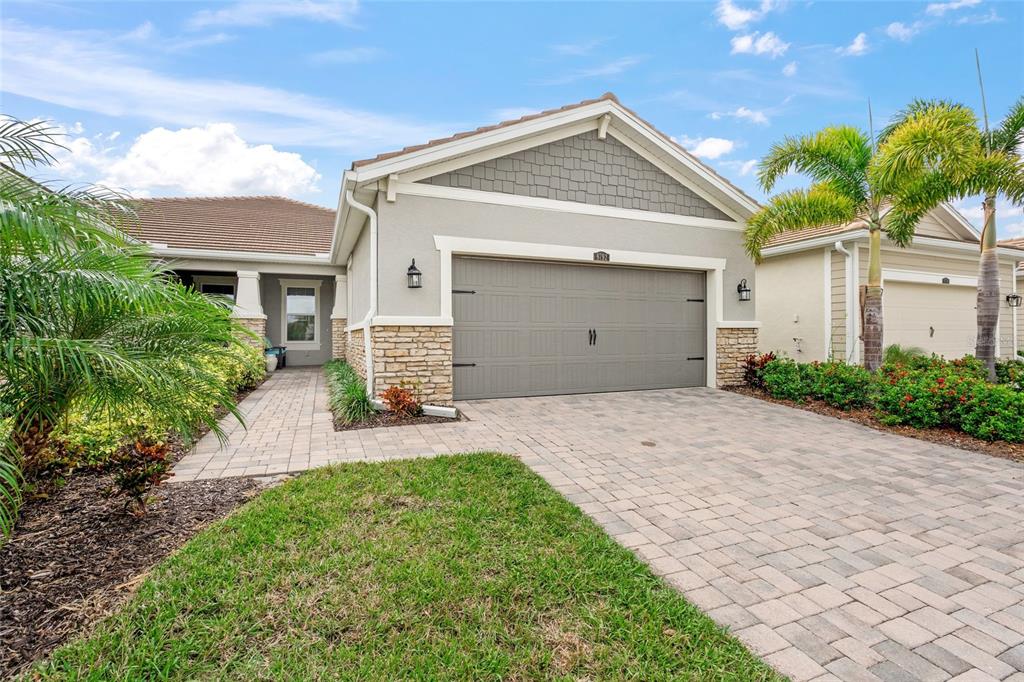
(939, 318)
(539, 328)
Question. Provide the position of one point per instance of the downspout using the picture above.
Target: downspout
(371, 311)
(851, 287)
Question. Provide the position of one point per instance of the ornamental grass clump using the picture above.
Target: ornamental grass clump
(347, 393)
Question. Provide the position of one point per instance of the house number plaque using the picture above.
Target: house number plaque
(602, 256)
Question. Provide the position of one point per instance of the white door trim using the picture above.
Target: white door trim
(919, 277)
(713, 267)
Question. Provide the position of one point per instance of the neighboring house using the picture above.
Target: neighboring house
(268, 253)
(1018, 243)
(809, 287)
(575, 250)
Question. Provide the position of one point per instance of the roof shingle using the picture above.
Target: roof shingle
(258, 224)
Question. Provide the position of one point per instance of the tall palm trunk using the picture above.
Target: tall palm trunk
(872, 334)
(988, 290)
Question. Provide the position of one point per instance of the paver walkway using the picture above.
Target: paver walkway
(832, 550)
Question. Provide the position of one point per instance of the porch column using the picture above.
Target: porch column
(248, 310)
(339, 317)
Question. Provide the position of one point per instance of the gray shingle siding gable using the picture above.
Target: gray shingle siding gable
(586, 170)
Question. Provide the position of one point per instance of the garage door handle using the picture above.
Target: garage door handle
(463, 364)
(697, 357)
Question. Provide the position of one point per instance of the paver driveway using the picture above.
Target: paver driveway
(834, 551)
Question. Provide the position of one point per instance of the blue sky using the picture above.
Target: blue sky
(182, 98)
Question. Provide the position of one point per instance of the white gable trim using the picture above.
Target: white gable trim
(502, 199)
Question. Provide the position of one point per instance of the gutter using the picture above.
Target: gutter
(371, 311)
(851, 308)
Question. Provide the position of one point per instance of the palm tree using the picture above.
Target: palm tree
(88, 319)
(942, 146)
(838, 160)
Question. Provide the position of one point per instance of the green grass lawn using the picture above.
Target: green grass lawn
(464, 567)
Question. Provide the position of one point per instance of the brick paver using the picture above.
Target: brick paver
(835, 551)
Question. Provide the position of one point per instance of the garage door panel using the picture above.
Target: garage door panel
(527, 328)
(941, 319)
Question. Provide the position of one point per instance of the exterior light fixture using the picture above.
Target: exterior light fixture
(414, 275)
(1013, 300)
(743, 290)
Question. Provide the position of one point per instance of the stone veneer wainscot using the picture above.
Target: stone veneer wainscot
(258, 326)
(339, 338)
(733, 345)
(355, 353)
(416, 355)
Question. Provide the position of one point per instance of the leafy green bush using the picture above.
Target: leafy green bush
(139, 465)
(895, 354)
(1011, 373)
(841, 385)
(924, 398)
(786, 379)
(347, 392)
(994, 412)
(753, 366)
(90, 437)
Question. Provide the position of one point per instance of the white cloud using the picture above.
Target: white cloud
(209, 161)
(991, 17)
(146, 35)
(580, 49)
(857, 48)
(143, 31)
(940, 8)
(734, 17)
(78, 128)
(707, 147)
(789, 70)
(612, 68)
(82, 70)
(1009, 218)
(897, 30)
(759, 44)
(113, 136)
(264, 12)
(351, 55)
(743, 113)
(740, 167)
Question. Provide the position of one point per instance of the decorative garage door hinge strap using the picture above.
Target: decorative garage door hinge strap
(699, 357)
(463, 291)
(463, 364)
(695, 300)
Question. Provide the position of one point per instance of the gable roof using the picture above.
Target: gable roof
(263, 224)
(604, 114)
(960, 229)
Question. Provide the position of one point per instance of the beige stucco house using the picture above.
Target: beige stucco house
(809, 282)
(574, 250)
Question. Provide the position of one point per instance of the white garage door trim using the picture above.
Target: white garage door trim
(919, 277)
(714, 267)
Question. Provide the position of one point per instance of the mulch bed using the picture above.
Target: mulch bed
(77, 554)
(942, 436)
(380, 419)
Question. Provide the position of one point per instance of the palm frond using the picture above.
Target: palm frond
(25, 143)
(798, 209)
(838, 155)
(1009, 136)
(915, 108)
(932, 137)
(916, 196)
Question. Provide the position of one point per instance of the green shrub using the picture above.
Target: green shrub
(910, 398)
(138, 466)
(787, 379)
(994, 412)
(1011, 373)
(753, 366)
(896, 354)
(841, 385)
(347, 392)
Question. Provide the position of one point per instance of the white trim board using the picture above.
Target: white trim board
(516, 200)
(936, 278)
(713, 267)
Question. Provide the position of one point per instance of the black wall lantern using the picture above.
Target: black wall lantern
(414, 275)
(1013, 300)
(743, 290)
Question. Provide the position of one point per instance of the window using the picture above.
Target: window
(301, 314)
(215, 285)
